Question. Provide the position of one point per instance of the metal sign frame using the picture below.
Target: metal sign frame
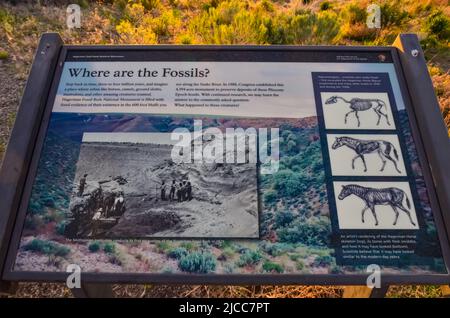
(21, 157)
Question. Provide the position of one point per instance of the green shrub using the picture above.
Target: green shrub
(48, 201)
(270, 197)
(61, 228)
(47, 247)
(438, 24)
(163, 246)
(323, 261)
(3, 55)
(206, 244)
(249, 258)
(109, 248)
(392, 15)
(300, 265)
(225, 244)
(229, 268)
(283, 218)
(198, 262)
(167, 270)
(150, 4)
(272, 267)
(164, 24)
(185, 39)
(119, 4)
(335, 269)
(49, 217)
(188, 245)
(178, 253)
(325, 5)
(289, 183)
(230, 23)
(353, 13)
(227, 252)
(35, 207)
(94, 246)
(353, 24)
(267, 5)
(84, 4)
(276, 249)
(312, 231)
(308, 28)
(422, 7)
(209, 4)
(33, 222)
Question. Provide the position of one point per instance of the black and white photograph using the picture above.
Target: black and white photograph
(357, 111)
(365, 155)
(375, 205)
(127, 186)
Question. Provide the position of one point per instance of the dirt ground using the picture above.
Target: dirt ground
(58, 290)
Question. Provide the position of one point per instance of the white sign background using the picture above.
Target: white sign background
(297, 100)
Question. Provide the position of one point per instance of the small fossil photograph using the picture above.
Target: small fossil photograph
(375, 205)
(357, 111)
(127, 186)
(365, 155)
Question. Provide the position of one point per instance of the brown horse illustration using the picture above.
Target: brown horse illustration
(372, 197)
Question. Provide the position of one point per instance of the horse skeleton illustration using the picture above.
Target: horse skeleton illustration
(372, 197)
(363, 147)
(359, 105)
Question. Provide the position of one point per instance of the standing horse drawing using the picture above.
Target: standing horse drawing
(372, 197)
(362, 147)
(359, 105)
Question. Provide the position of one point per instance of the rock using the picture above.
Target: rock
(120, 180)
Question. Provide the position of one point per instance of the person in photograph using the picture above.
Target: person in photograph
(81, 185)
(184, 192)
(180, 192)
(172, 190)
(96, 222)
(189, 191)
(163, 190)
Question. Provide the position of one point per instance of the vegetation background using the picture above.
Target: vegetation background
(299, 22)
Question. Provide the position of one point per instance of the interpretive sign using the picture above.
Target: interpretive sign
(227, 164)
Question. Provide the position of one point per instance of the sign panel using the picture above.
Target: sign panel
(304, 163)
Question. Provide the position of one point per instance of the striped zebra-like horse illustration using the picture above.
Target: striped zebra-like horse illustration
(362, 147)
(361, 104)
(372, 197)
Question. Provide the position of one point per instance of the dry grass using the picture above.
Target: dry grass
(441, 82)
(58, 290)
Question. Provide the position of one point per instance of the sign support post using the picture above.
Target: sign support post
(445, 291)
(21, 143)
(430, 121)
(90, 290)
(365, 292)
